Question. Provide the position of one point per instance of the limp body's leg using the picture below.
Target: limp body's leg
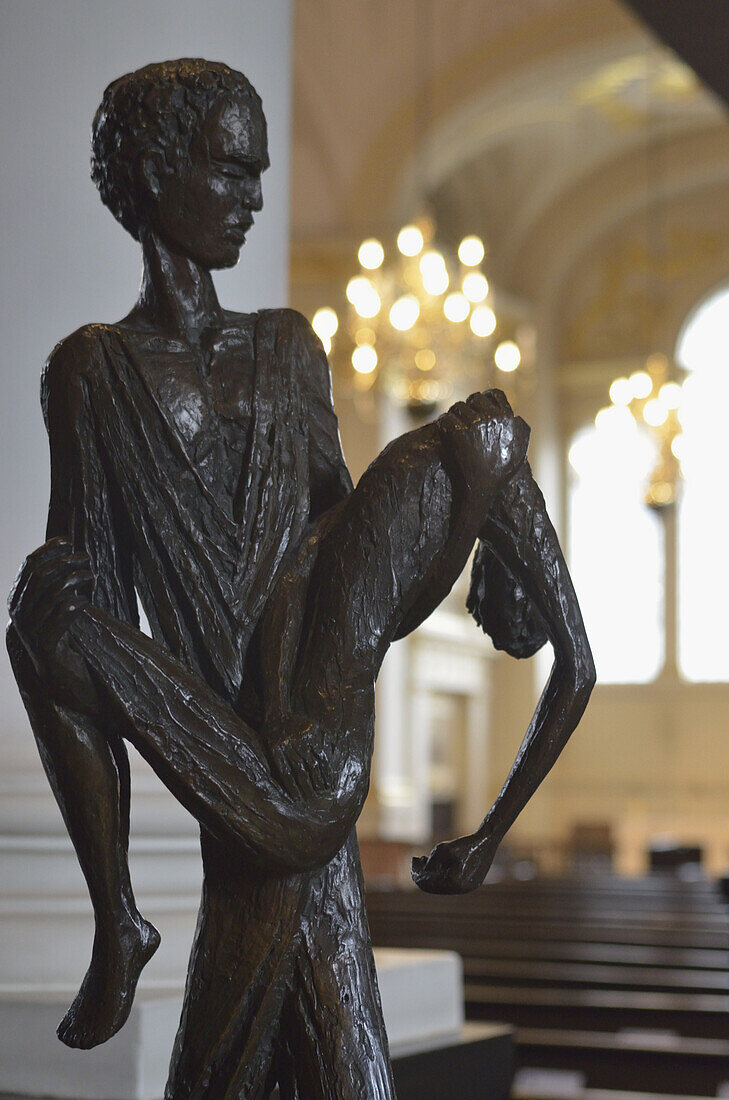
(89, 774)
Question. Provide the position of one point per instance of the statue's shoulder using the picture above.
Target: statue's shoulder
(289, 320)
(75, 357)
(72, 366)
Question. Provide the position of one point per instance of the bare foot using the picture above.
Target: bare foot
(105, 998)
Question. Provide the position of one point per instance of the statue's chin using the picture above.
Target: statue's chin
(226, 259)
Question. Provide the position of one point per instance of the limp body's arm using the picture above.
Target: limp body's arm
(520, 535)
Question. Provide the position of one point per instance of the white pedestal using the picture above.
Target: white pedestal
(422, 1000)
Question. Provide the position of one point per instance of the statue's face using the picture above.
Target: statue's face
(206, 209)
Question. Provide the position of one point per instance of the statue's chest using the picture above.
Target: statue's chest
(208, 404)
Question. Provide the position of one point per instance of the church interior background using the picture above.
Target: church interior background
(594, 166)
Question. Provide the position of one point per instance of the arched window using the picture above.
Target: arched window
(616, 549)
(617, 546)
(703, 542)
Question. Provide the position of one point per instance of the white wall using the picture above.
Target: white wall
(65, 261)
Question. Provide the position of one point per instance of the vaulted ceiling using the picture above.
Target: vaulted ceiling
(559, 130)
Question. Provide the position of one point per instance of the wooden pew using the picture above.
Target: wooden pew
(574, 963)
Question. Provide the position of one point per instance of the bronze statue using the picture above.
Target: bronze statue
(196, 466)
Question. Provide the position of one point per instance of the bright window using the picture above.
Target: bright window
(616, 549)
(703, 523)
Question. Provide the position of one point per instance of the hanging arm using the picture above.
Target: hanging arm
(520, 537)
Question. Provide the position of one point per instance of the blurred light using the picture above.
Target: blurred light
(640, 384)
(363, 296)
(621, 392)
(424, 359)
(456, 307)
(364, 359)
(471, 251)
(507, 356)
(364, 335)
(371, 254)
(404, 312)
(325, 323)
(410, 240)
(669, 395)
(435, 281)
(654, 413)
(326, 342)
(483, 321)
(615, 418)
(475, 286)
(678, 446)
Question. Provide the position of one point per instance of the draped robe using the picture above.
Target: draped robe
(270, 949)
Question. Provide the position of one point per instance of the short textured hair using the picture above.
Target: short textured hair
(155, 108)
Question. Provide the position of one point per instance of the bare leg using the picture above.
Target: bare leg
(84, 771)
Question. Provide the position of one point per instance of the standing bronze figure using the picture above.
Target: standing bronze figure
(196, 467)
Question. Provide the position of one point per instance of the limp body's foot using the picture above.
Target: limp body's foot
(104, 1001)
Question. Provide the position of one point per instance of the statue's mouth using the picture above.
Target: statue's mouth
(238, 232)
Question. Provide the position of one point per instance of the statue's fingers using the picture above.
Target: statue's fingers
(490, 403)
(58, 579)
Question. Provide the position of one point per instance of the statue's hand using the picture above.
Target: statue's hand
(453, 867)
(53, 586)
(484, 439)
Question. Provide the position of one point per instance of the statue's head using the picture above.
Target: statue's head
(178, 150)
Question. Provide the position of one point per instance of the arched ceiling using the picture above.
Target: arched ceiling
(557, 129)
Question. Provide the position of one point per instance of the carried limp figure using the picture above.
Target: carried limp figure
(196, 467)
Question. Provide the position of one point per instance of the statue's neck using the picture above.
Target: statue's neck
(177, 295)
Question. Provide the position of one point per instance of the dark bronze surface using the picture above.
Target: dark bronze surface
(196, 466)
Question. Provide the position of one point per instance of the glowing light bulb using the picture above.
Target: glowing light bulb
(363, 296)
(483, 321)
(654, 413)
(669, 395)
(425, 359)
(621, 391)
(434, 273)
(364, 359)
(404, 312)
(456, 307)
(410, 240)
(507, 356)
(471, 251)
(325, 323)
(371, 254)
(475, 286)
(640, 384)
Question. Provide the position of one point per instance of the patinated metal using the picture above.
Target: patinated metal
(197, 471)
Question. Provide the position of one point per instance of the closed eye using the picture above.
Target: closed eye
(236, 169)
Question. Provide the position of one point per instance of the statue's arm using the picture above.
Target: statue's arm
(520, 536)
(329, 477)
(329, 484)
(81, 513)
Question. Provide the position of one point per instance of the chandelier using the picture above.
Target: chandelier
(651, 398)
(419, 322)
